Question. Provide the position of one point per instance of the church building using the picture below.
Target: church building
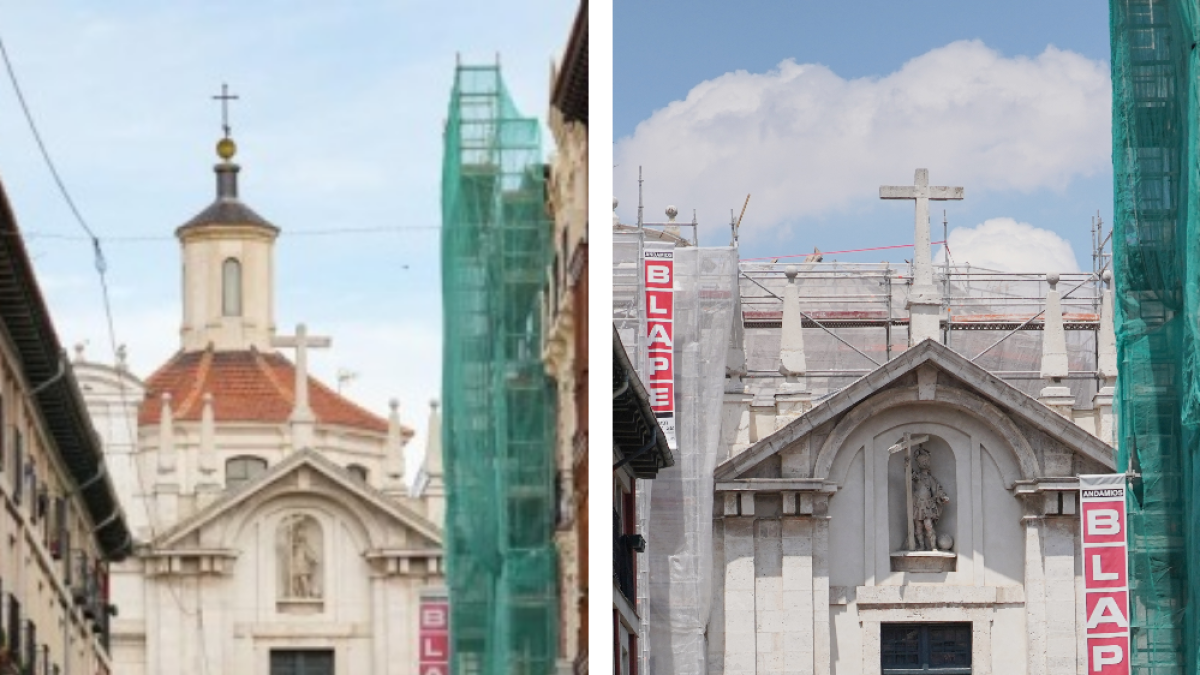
(885, 476)
(276, 530)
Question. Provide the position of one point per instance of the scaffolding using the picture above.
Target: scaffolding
(498, 424)
(855, 319)
(1156, 260)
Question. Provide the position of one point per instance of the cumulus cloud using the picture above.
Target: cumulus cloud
(806, 142)
(1005, 245)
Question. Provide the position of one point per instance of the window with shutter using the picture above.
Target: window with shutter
(301, 662)
(926, 648)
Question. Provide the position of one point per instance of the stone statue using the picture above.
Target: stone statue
(927, 499)
(303, 559)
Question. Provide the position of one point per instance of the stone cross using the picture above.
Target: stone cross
(301, 341)
(925, 319)
(907, 444)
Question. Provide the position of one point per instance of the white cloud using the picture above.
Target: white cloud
(805, 141)
(1005, 245)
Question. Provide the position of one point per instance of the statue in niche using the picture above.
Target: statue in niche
(927, 500)
(301, 559)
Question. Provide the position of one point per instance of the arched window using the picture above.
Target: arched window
(358, 471)
(231, 287)
(242, 470)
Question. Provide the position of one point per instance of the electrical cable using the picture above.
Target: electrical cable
(853, 250)
(101, 266)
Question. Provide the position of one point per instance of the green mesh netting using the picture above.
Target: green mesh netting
(1156, 269)
(498, 419)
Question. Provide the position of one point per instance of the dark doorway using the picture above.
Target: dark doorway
(301, 662)
(919, 648)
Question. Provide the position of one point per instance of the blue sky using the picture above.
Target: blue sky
(339, 127)
(665, 51)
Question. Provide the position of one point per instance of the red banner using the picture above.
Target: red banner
(660, 330)
(1105, 573)
(434, 650)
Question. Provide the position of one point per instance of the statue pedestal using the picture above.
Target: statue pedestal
(928, 562)
(300, 605)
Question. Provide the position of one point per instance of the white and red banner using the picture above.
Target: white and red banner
(659, 266)
(434, 625)
(1105, 573)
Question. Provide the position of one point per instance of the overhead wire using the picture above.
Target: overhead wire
(101, 266)
(853, 250)
(317, 232)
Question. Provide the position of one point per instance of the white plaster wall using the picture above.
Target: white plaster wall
(1003, 555)
(1008, 628)
(845, 644)
(112, 399)
(848, 526)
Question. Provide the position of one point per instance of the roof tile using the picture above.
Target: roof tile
(247, 386)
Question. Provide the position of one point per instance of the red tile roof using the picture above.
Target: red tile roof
(247, 386)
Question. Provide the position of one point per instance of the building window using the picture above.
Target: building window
(359, 472)
(242, 470)
(18, 474)
(301, 662)
(943, 648)
(231, 287)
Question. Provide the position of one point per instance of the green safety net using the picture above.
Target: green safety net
(1156, 261)
(498, 434)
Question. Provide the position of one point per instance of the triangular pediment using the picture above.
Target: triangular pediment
(301, 471)
(915, 376)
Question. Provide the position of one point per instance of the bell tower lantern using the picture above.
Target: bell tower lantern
(228, 266)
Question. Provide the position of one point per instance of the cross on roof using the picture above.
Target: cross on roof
(301, 341)
(921, 192)
(225, 97)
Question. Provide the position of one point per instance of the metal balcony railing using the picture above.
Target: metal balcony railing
(623, 561)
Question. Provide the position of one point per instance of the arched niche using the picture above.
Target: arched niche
(975, 466)
(944, 470)
(301, 563)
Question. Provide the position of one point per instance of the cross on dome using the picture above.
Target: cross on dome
(225, 97)
(301, 341)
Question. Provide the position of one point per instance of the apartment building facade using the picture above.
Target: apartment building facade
(60, 521)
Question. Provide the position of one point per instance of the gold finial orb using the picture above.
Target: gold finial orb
(226, 149)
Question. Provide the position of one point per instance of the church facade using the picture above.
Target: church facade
(814, 569)
(276, 528)
(883, 478)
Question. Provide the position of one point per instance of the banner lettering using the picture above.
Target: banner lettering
(434, 647)
(1105, 573)
(659, 265)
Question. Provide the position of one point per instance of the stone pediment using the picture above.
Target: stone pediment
(306, 475)
(929, 372)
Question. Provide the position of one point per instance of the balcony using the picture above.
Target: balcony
(623, 561)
